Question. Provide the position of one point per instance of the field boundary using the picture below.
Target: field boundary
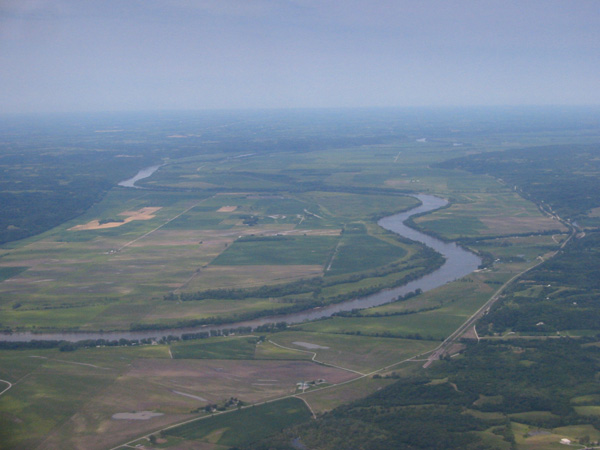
(160, 226)
(314, 358)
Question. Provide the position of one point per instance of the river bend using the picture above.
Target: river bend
(459, 262)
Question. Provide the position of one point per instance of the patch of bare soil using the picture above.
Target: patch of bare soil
(227, 209)
(141, 214)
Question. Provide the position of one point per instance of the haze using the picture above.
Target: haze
(111, 55)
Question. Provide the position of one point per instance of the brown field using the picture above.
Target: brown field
(146, 213)
(217, 380)
(149, 385)
(227, 209)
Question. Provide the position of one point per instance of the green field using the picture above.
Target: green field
(358, 252)
(429, 325)
(246, 425)
(354, 352)
(278, 250)
(238, 348)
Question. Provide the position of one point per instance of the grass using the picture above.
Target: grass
(428, 325)
(50, 394)
(493, 440)
(488, 214)
(593, 411)
(9, 272)
(576, 432)
(360, 353)
(548, 441)
(353, 206)
(326, 399)
(284, 250)
(533, 416)
(267, 350)
(454, 303)
(234, 348)
(358, 252)
(246, 425)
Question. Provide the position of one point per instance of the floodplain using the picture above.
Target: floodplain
(220, 234)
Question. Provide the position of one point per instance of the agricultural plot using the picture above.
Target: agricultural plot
(435, 325)
(460, 296)
(359, 251)
(281, 250)
(231, 348)
(104, 388)
(246, 425)
(496, 214)
(358, 353)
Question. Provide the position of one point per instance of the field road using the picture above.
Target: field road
(6, 388)
(160, 226)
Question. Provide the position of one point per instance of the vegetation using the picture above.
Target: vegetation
(558, 296)
(247, 425)
(570, 191)
(256, 214)
(242, 348)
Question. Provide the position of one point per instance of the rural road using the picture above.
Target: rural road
(444, 346)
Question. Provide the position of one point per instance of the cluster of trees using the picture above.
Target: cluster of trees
(67, 346)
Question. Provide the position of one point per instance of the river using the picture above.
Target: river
(144, 173)
(459, 262)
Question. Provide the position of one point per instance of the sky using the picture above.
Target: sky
(128, 55)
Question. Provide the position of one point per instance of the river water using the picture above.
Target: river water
(459, 263)
(144, 173)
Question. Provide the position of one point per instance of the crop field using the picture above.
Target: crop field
(358, 252)
(497, 214)
(278, 250)
(358, 353)
(324, 400)
(84, 389)
(246, 425)
(240, 348)
(435, 325)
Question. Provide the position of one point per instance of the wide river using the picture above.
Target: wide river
(459, 263)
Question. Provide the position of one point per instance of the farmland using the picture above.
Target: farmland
(247, 225)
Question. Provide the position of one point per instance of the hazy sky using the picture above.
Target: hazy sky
(85, 55)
